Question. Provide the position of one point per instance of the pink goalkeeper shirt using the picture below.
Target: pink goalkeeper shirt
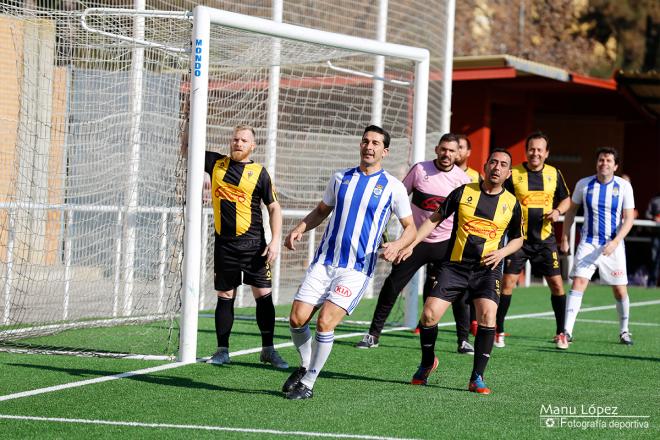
(429, 187)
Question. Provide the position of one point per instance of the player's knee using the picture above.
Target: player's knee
(487, 316)
(620, 292)
(225, 294)
(296, 321)
(508, 284)
(580, 284)
(325, 324)
(428, 317)
(556, 285)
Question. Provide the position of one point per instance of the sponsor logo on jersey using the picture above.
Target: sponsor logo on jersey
(230, 193)
(432, 203)
(536, 199)
(504, 207)
(378, 190)
(343, 291)
(481, 227)
(346, 181)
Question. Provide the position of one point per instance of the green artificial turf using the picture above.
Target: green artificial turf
(363, 392)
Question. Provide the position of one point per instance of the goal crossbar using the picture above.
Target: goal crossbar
(203, 17)
(178, 15)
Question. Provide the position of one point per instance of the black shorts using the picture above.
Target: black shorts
(455, 279)
(542, 256)
(431, 254)
(239, 262)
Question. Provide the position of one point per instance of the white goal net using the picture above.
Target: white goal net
(91, 180)
(93, 184)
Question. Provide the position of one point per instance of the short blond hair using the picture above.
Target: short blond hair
(242, 127)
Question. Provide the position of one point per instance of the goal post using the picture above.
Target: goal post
(95, 196)
(203, 20)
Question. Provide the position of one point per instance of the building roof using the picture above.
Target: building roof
(507, 66)
(643, 87)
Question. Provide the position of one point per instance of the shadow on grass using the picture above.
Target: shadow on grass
(325, 374)
(602, 355)
(67, 350)
(170, 381)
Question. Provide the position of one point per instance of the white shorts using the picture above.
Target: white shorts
(611, 268)
(339, 285)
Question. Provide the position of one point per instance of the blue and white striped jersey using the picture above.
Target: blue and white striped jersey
(362, 208)
(603, 207)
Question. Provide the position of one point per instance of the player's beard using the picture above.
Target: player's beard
(240, 155)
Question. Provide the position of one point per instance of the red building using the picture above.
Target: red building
(498, 100)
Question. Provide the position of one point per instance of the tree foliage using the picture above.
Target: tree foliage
(589, 36)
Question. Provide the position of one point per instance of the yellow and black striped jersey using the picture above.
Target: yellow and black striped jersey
(481, 222)
(473, 174)
(237, 190)
(538, 193)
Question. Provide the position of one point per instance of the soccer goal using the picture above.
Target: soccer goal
(96, 195)
(315, 108)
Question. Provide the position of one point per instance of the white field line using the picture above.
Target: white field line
(91, 381)
(200, 427)
(599, 321)
(258, 349)
(158, 368)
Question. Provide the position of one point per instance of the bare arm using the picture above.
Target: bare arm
(493, 258)
(569, 218)
(392, 248)
(624, 229)
(561, 208)
(273, 249)
(312, 220)
(422, 232)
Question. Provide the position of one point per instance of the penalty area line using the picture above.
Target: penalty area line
(198, 427)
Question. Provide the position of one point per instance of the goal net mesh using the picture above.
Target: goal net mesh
(92, 184)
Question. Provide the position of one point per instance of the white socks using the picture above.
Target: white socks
(321, 349)
(302, 339)
(573, 303)
(623, 309)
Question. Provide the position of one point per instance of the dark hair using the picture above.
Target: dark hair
(500, 150)
(538, 135)
(448, 137)
(377, 129)
(467, 140)
(608, 150)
